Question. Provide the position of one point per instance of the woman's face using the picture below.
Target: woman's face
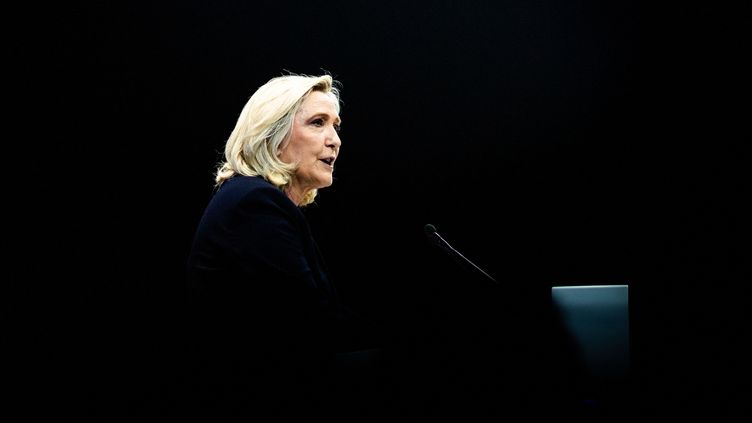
(313, 144)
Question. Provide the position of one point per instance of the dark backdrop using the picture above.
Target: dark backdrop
(552, 143)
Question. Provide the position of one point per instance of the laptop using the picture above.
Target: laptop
(596, 318)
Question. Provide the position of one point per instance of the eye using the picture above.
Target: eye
(317, 122)
(337, 127)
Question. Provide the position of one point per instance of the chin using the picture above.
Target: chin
(325, 182)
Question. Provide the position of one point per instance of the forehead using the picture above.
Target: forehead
(319, 102)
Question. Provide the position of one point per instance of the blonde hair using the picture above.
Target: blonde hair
(263, 126)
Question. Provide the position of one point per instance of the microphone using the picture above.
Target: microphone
(434, 237)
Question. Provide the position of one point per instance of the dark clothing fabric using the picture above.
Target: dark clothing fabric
(253, 257)
(267, 321)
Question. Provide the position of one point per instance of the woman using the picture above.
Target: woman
(268, 319)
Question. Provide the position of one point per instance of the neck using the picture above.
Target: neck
(296, 196)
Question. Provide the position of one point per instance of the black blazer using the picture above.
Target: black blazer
(258, 282)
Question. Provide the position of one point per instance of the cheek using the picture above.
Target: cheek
(309, 150)
(291, 152)
(303, 148)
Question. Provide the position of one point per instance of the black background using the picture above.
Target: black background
(553, 143)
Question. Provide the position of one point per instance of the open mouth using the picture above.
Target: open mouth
(329, 161)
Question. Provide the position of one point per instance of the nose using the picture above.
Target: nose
(333, 140)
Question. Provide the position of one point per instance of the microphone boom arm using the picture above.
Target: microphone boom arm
(434, 236)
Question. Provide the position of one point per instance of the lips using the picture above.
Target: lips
(329, 160)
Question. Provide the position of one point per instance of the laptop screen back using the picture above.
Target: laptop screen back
(596, 317)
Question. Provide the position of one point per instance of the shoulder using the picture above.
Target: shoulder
(255, 193)
(251, 187)
(242, 184)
